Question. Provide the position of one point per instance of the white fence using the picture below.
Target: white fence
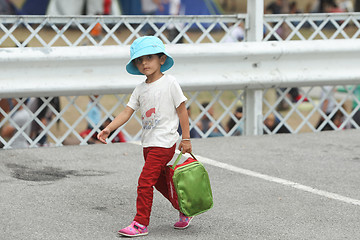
(252, 65)
(226, 75)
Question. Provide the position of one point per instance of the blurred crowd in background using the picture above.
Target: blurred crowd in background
(172, 7)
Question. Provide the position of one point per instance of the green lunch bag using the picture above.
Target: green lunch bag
(189, 187)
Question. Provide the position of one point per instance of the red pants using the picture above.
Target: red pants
(153, 174)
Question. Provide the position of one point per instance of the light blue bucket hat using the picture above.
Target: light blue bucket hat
(147, 45)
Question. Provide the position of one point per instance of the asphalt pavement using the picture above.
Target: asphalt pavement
(303, 186)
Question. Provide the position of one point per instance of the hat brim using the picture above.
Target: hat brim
(132, 69)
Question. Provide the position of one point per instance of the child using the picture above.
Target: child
(162, 104)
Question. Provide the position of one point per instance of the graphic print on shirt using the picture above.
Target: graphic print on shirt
(150, 117)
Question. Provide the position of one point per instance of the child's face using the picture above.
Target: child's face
(150, 64)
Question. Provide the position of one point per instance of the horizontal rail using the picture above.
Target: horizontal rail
(115, 19)
(66, 71)
(6, 19)
(313, 16)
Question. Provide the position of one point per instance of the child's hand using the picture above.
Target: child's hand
(103, 135)
(185, 146)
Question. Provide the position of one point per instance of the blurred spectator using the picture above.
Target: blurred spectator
(293, 95)
(332, 7)
(326, 4)
(338, 119)
(228, 5)
(293, 8)
(275, 7)
(308, 7)
(279, 7)
(150, 7)
(193, 132)
(7, 8)
(346, 6)
(356, 116)
(328, 105)
(356, 93)
(205, 124)
(313, 7)
(93, 139)
(5, 106)
(271, 122)
(237, 34)
(231, 123)
(107, 7)
(20, 118)
(357, 6)
(176, 8)
(94, 114)
(96, 32)
(322, 6)
(45, 116)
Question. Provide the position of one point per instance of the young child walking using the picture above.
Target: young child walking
(162, 104)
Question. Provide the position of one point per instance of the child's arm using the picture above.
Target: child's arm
(185, 144)
(122, 118)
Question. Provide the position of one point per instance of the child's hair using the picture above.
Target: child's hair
(160, 54)
(157, 54)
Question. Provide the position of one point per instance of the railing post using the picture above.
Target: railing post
(253, 98)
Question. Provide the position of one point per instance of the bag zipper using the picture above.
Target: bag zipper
(188, 165)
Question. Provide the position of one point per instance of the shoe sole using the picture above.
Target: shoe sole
(182, 228)
(128, 235)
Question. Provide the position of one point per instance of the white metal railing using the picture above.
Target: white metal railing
(99, 70)
(47, 31)
(322, 26)
(259, 65)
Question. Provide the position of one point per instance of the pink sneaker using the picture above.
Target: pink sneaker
(184, 222)
(135, 229)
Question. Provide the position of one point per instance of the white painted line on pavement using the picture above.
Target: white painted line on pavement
(299, 186)
(285, 182)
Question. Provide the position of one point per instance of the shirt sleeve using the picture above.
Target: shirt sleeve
(134, 100)
(177, 94)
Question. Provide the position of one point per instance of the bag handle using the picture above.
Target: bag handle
(178, 159)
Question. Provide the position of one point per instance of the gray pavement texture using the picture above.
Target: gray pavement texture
(89, 192)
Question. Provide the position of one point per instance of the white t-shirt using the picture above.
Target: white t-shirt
(157, 102)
